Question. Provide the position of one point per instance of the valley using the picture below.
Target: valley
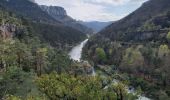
(47, 54)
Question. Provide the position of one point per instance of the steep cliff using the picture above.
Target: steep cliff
(60, 14)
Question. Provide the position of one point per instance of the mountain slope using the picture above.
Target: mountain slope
(58, 36)
(60, 14)
(47, 28)
(136, 19)
(27, 9)
(139, 46)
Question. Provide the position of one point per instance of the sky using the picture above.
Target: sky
(95, 10)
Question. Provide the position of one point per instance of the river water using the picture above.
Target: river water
(76, 54)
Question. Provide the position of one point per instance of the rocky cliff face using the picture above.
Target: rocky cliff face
(60, 14)
(56, 12)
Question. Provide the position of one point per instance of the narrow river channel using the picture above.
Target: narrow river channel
(76, 52)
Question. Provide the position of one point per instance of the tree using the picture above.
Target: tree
(119, 90)
(163, 51)
(41, 60)
(58, 61)
(24, 56)
(65, 86)
(164, 55)
(7, 53)
(168, 36)
(101, 55)
(132, 60)
(17, 82)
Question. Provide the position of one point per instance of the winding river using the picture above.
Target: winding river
(76, 54)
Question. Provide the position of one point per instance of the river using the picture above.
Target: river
(76, 54)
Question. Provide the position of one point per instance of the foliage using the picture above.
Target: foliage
(100, 54)
(17, 82)
(168, 36)
(132, 59)
(57, 35)
(66, 86)
(163, 51)
(23, 57)
(149, 62)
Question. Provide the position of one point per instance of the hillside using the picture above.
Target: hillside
(139, 47)
(32, 69)
(46, 55)
(137, 18)
(27, 9)
(46, 27)
(23, 57)
(58, 36)
(60, 14)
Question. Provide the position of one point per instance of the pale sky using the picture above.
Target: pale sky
(96, 10)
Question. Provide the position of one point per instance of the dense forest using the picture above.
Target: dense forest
(31, 69)
(137, 45)
(127, 60)
(34, 67)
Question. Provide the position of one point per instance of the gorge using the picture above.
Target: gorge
(80, 50)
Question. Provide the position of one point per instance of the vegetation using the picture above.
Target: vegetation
(168, 36)
(32, 69)
(42, 25)
(100, 55)
(69, 87)
(149, 63)
(58, 36)
(138, 46)
(23, 57)
(34, 64)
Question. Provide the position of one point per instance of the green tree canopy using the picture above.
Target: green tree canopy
(101, 55)
(68, 87)
(168, 36)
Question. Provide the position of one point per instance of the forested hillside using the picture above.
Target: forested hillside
(136, 19)
(139, 46)
(33, 68)
(45, 27)
(23, 56)
(27, 9)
